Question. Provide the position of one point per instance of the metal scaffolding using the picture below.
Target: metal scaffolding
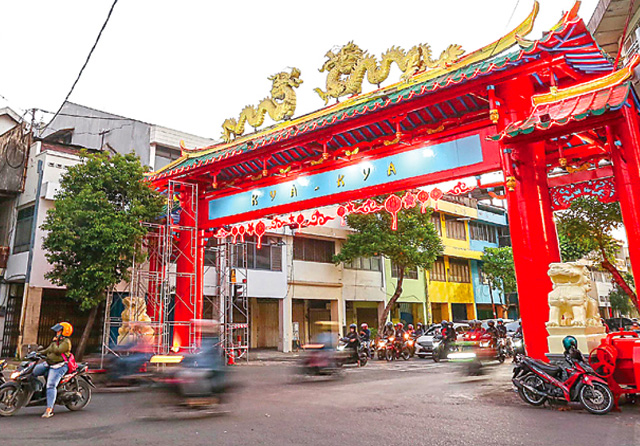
(145, 307)
(229, 300)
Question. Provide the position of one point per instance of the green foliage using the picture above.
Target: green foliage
(94, 229)
(498, 268)
(587, 227)
(416, 243)
(619, 299)
(572, 249)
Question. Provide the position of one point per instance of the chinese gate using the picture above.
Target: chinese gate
(552, 115)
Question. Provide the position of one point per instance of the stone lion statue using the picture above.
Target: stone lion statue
(135, 320)
(569, 303)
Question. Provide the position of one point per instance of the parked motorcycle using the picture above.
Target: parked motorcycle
(3, 365)
(25, 390)
(538, 381)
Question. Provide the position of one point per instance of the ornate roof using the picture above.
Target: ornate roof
(562, 106)
(569, 38)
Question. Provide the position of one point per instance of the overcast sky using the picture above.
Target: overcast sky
(191, 64)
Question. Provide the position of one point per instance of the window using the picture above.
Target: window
(165, 155)
(435, 219)
(313, 250)
(365, 263)
(438, 272)
(24, 222)
(483, 232)
(459, 271)
(411, 273)
(268, 257)
(455, 228)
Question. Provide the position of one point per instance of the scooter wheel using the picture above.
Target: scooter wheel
(390, 356)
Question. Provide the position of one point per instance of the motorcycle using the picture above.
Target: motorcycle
(501, 349)
(25, 390)
(441, 349)
(410, 344)
(517, 344)
(319, 361)
(381, 348)
(3, 365)
(537, 382)
(397, 350)
(346, 357)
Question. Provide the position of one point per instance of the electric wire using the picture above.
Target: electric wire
(506, 27)
(86, 62)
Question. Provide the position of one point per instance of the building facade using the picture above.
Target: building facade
(31, 303)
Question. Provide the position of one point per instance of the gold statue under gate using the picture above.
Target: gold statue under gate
(280, 106)
(347, 68)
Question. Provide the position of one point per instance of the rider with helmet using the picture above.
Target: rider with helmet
(55, 365)
(365, 333)
(493, 331)
(419, 330)
(353, 339)
(399, 334)
(388, 330)
(502, 329)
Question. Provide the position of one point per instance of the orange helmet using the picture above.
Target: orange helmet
(65, 327)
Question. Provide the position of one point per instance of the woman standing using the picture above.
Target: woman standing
(55, 365)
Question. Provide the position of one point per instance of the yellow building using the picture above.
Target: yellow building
(456, 288)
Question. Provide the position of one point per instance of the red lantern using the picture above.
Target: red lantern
(392, 205)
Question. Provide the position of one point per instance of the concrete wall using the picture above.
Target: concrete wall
(122, 134)
(481, 290)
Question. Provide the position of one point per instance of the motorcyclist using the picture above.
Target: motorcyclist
(399, 334)
(451, 332)
(365, 337)
(55, 365)
(410, 330)
(493, 331)
(353, 340)
(365, 333)
(419, 330)
(502, 329)
(444, 326)
(388, 330)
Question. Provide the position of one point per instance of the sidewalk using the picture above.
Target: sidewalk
(269, 355)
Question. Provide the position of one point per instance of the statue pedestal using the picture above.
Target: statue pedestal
(588, 338)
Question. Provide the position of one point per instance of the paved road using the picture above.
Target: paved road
(405, 403)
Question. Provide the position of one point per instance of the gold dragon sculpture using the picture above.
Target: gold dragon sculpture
(280, 106)
(347, 68)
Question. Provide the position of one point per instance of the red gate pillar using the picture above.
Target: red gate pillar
(186, 262)
(533, 235)
(155, 270)
(626, 167)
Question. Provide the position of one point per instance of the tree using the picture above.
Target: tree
(94, 229)
(416, 243)
(619, 299)
(498, 269)
(587, 226)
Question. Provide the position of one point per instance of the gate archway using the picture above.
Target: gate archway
(552, 115)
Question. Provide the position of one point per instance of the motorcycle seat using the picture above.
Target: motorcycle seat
(551, 369)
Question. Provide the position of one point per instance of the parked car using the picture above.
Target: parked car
(424, 344)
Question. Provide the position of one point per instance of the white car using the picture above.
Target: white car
(424, 344)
